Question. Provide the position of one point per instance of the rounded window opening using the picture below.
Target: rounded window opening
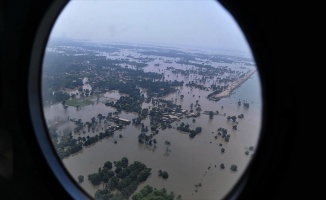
(151, 98)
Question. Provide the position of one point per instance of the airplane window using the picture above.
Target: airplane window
(151, 99)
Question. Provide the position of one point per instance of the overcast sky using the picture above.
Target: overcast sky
(198, 23)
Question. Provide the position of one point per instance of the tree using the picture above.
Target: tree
(211, 114)
(167, 144)
(93, 120)
(108, 165)
(234, 167)
(105, 178)
(144, 174)
(60, 96)
(110, 173)
(198, 129)
(124, 162)
(165, 175)
(233, 118)
(146, 190)
(113, 182)
(80, 178)
(103, 194)
(94, 178)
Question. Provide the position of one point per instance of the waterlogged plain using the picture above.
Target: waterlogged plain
(155, 105)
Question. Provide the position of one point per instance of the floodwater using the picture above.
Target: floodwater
(190, 161)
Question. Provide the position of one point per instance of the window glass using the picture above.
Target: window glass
(151, 98)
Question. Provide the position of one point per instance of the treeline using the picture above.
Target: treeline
(103, 61)
(186, 62)
(150, 193)
(170, 53)
(159, 88)
(68, 145)
(123, 79)
(195, 85)
(127, 104)
(221, 59)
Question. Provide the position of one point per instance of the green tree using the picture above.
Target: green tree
(222, 166)
(110, 173)
(105, 178)
(113, 182)
(103, 194)
(234, 167)
(167, 144)
(108, 165)
(165, 175)
(80, 178)
(211, 114)
(94, 178)
(124, 162)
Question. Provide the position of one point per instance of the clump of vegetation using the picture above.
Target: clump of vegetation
(222, 166)
(234, 168)
(163, 174)
(251, 149)
(185, 128)
(80, 178)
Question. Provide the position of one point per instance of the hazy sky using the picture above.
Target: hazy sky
(198, 23)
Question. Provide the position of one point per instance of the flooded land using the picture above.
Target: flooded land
(185, 121)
